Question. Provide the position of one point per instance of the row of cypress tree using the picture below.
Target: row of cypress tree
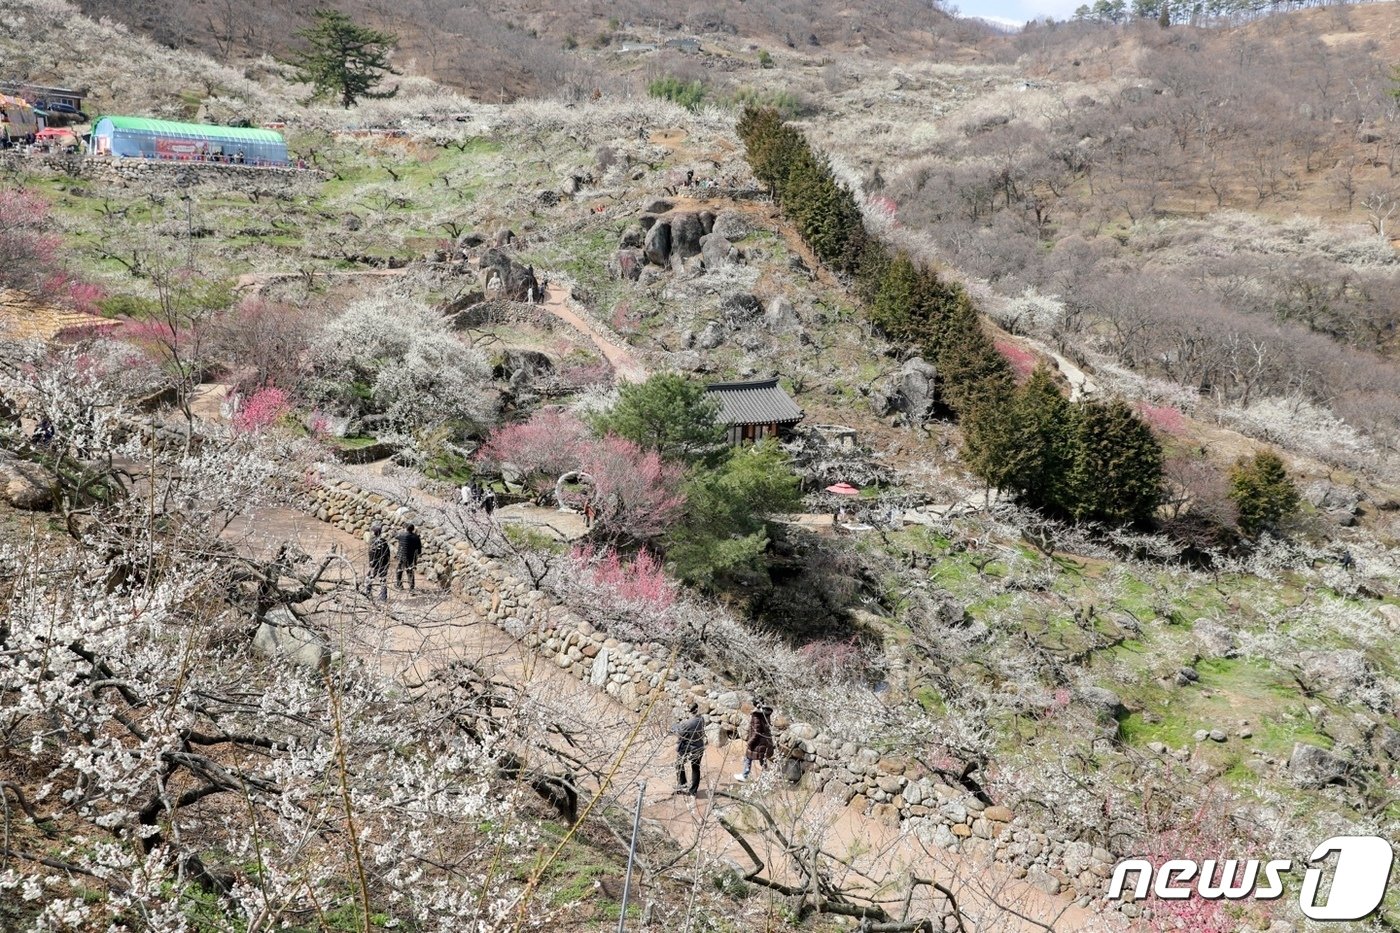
(1090, 460)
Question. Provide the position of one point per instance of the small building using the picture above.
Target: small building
(755, 410)
(142, 138)
(45, 97)
(18, 118)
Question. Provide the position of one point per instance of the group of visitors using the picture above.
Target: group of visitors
(9, 141)
(476, 496)
(690, 745)
(408, 546)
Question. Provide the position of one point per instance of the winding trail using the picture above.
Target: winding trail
(416, 634)
(625, 366)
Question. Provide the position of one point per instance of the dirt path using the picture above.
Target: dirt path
(255, 282)
(625, 366)
(1080, 385)
(417, 633)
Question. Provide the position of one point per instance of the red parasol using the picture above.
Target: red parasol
(843, 489)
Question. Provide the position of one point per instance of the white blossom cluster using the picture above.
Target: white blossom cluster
(156, 768)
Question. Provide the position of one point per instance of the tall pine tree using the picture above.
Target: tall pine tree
(1116, 472)
(345, 60)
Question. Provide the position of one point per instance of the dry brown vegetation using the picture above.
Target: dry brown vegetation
(523, 47)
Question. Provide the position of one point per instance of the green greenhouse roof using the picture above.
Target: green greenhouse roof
(242, 134)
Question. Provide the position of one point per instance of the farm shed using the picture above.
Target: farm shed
(142, 138)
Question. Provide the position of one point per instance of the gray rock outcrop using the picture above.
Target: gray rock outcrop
(25, 485)
(281, 636)
(686, 232)
(910, 393)
(732, 226)
(1311, 766)
(657, 246)
(1215, 640)
(717, 251)
(502, 275)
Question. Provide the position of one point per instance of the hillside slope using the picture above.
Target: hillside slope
(523, 47)
(1109, 691)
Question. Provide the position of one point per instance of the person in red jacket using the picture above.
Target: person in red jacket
(759, 744)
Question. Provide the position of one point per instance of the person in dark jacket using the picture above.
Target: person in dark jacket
(378, 563)
(690, 747)
(759, 744)
(409, 547)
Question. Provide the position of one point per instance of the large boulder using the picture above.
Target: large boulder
(629, 264)
(633, 237)
(711, 337)
(1315, 767)
(506, 278)
(686, 231)
(1388, 742)
(1331, 497)
(732, 226)
(1105, 705)
(523, 368)
(25, 485)
(780, 315)
(281, 636)
(910, 393)
(1214, 640)
(717, 251)
(657, 247)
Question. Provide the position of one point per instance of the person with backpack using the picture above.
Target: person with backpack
(409, 547)
(758, 746)
(378, 563)
(690, 748)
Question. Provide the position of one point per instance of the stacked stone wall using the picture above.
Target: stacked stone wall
(890, 789)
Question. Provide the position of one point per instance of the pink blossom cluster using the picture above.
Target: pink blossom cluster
(261, 409)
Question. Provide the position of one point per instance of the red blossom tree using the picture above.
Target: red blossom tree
(834, 659)
(1023, 362)
(28, 251)
(636, 493)
(29, 254)
(261, 409)
(642, 582)
(551, 443)
(1163, 418)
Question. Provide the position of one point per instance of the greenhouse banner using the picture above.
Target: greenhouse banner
(177, 148)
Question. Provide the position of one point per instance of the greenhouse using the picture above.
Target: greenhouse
(141, 138)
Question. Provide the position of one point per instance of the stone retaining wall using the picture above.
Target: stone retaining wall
(163, 176)
(893, 790)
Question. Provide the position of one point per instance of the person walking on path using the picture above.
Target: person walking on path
(488, 502)
(378, 563)
(759, 744)
(409, 546)
(690, 747)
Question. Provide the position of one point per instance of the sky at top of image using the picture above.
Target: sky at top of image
(1017, 11)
